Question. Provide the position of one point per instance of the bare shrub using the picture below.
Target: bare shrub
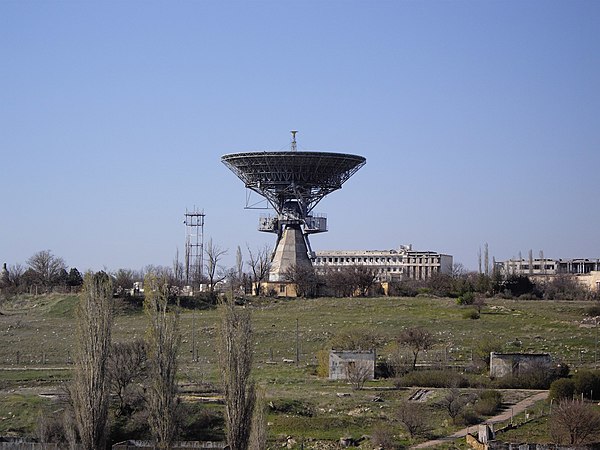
(90, 382)
(454, 403)
(127, 364)
(413, 418)
(574, 422)
(358, 372)
(163, 344)
(383, 438)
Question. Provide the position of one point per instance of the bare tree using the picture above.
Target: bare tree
(178, 270)
(479, 303)
(303, 276)
(15, 275)
(214, 272)
(364, 278)
(358, 372)
(454, 403)
(417, 339)
(90, 382)
(163, 344)
(46, 267)
(124, 278)
(574, 422)
(127, 364)
(235, 355)
(413, 417)
(260, 265)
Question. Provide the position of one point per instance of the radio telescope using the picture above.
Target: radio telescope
(293, 182)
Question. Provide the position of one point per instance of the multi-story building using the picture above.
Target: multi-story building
(586, 271)
(388, 265)
(547, 266)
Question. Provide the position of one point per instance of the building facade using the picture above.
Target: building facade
(586, 271)
(388, 265)
(548, 266)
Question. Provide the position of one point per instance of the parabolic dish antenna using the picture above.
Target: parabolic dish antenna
(293, 182)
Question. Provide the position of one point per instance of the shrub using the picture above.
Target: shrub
(469, 417)
(466, 299)
(587, 382)
(563, 388)
(383, 437)
(473, 315)
(432, 378)
(293, 407)
(593, 311)
(323, 363)
(489, 403)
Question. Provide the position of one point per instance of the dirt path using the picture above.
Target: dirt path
(506, 415)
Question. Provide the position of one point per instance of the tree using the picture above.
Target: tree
(214, 272)
(304, 277)
(74, 279)
(574, 422)
(235, 356)
(358, 372)
(339, 280)
(46, 268)
(562, 389)
(364, 279)
(417, 339)
(454, 403)
(260, 265)
(413, 417)
(127, 364)
(163, 344)
(15, 276)
(90, 381)
(258, 433)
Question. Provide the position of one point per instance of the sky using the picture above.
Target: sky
(479, 120)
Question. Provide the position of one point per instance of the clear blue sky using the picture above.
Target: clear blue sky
(480, 122)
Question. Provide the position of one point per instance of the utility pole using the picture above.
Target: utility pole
(297, 343)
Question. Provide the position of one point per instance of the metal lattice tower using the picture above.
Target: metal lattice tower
(194, 246)
(293, 182)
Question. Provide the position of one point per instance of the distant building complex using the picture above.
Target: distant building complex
(388, 265)
(586, 271)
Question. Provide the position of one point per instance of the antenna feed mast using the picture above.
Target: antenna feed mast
(294, 146)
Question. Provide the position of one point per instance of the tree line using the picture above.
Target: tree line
(140, 375)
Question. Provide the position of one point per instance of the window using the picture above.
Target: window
(282, 288)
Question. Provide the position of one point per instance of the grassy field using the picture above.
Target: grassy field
(37, 341)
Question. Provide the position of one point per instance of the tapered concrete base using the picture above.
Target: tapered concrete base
(291, 251)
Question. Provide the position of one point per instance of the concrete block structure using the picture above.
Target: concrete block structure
(342, 363)
(515, 364)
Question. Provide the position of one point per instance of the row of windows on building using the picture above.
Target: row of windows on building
(376, 260)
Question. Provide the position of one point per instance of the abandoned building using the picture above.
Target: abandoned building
(344, 364)
(514, 364)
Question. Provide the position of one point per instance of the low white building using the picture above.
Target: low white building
(346, 364)
(388, 265)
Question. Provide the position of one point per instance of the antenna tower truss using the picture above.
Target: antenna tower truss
(194, 246)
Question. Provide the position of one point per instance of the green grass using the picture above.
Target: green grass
(41, 329)
(20, 413)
